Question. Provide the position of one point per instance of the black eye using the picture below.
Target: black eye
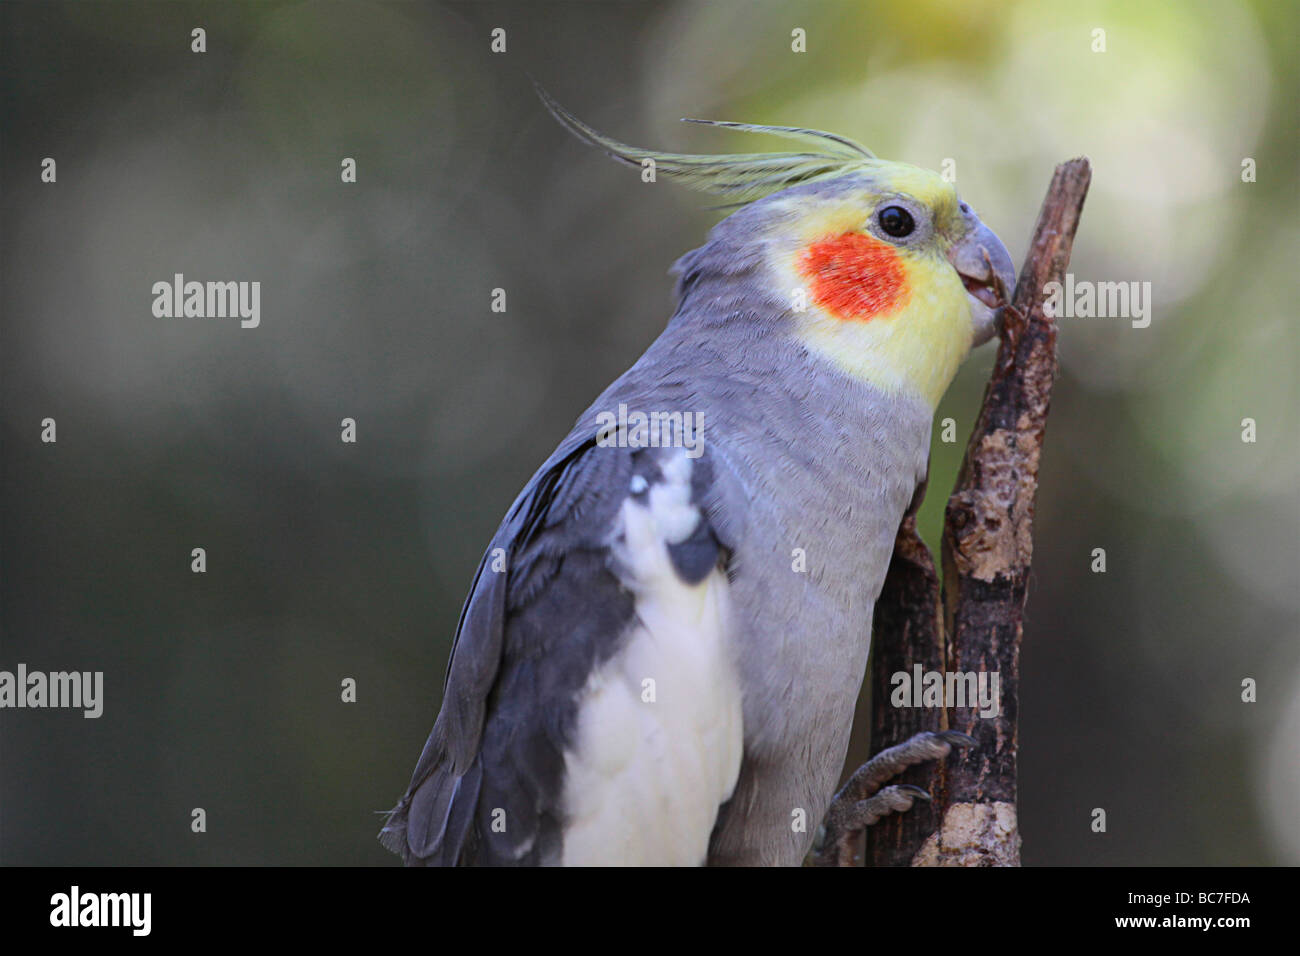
(896, 221)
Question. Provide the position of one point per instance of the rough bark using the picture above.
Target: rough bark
(987, 552)
(906, 631)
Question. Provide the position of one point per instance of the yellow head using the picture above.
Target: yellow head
(884, 271)
(889, 275)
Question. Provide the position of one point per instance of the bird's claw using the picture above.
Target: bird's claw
(919, 792)
(863, 800)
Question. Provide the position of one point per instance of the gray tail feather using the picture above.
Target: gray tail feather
(431, 825)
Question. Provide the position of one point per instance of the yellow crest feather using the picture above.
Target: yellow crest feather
(741, 177)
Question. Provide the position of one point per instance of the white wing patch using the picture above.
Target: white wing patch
(646, 775)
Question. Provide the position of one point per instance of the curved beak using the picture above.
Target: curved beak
(985, 268)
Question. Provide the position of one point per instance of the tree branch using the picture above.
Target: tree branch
(987, 551)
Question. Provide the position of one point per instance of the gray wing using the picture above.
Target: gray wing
(528, 638)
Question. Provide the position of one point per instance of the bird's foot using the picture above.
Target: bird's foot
(861, 801)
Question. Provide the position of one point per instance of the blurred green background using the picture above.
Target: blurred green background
(328, 560)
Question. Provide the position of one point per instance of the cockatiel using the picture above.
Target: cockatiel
(660, 655)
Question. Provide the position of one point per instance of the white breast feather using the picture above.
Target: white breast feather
(644, 780)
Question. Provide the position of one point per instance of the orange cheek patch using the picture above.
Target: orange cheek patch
(854, 276)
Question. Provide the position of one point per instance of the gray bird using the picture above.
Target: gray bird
(660, 654)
